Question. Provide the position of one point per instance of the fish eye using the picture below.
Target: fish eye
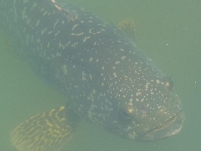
(125, 115)
(169, 83)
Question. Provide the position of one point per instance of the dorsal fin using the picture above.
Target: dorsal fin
(128, 27)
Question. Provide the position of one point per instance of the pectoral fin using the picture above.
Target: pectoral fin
(49, 131)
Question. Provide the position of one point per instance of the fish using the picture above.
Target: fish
(105, 78)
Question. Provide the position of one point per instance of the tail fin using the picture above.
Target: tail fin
(49, 131)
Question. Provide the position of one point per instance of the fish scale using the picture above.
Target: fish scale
(106, 79)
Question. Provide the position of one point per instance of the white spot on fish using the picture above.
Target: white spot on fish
(34, 5)
(38, 40)
(132, 135)
(61, 45)
(48, 44)
(64, 69)
(50, 32)
(94, 91)
(58, 54)
(56, 23)
(56, 34)
(43, 31)
(123, 57)
(74, 26)
(90, 76)
(157, 81)
(74, 44)
(28, 21)
(86, 38)
(117, 62)
(37, 23)
(79, 34)
(45, 13)
(83, 76)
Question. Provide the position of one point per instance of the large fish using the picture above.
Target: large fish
(106, 79)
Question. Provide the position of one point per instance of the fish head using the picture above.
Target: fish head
(149, 108)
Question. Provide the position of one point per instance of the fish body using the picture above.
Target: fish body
(106, 79)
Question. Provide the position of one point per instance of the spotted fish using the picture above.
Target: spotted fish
(104, 76)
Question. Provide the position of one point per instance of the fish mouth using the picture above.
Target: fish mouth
(170, 127)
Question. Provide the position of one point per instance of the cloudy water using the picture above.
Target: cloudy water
(167, 31)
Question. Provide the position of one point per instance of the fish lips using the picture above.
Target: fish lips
(166, 129)
(142, 133)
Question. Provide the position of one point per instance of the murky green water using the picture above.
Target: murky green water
(167, 31)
